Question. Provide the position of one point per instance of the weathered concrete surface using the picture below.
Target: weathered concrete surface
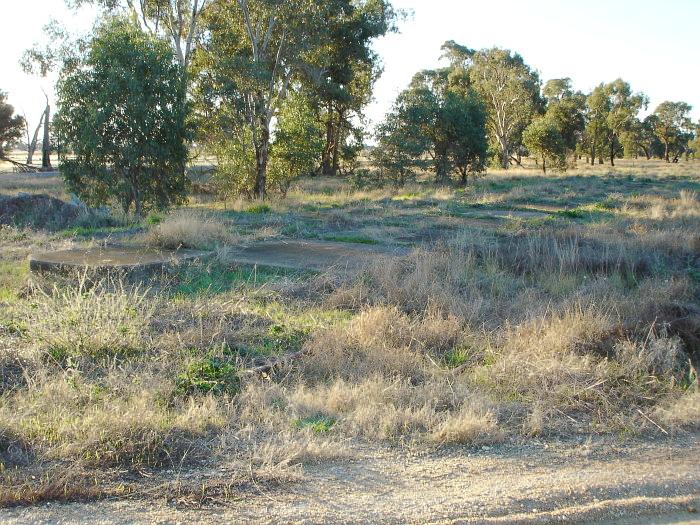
(311, 255)
(112, 258)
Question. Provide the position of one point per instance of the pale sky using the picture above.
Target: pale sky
(653, 45)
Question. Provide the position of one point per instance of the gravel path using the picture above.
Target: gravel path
(541, 483)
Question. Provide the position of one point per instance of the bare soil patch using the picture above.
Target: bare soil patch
(542, 482)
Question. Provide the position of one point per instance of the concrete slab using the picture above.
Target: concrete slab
(111, 258)
(312, 255)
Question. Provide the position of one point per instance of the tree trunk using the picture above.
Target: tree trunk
(261, 158)
(440, 168)
(329, 147)
(31, 146)
(326, 162)
(544, 165)
(138, 206)
(612, 154)
(46, 146)
(336, 144)
(505, 156)
(666, 152)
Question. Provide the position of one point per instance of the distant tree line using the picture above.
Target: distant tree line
(276, 89)
(489, 106)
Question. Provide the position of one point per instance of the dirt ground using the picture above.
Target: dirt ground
(607, 481)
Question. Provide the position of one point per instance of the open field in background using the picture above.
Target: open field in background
(529, 307)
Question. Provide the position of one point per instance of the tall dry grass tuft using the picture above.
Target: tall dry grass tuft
(190, 230)
(90, 319)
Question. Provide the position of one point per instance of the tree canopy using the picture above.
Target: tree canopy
(123, 116)
(437, 117)
(11, 126)
(673, 128)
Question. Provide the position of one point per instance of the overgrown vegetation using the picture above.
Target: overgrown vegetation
(511, 317)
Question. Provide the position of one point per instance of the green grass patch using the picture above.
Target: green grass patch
(259, 209)
(458, 356)
(207, 376)
(319, 424)
(354, 239)
(12, 278)
(154, 219)
(217, 279)
(280, 339)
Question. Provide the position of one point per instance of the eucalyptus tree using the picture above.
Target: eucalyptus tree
(566, 109)
(351, 69)
(253, 53)
(673, 128)
(612, 111)
(510, 90)
(61, 51)
(123, 116)
(543, 137)
(180, 21)
(436, 123)
(555, 135)
(11, 126)
(624, 108)
(641, 139)
(694, 145)
(598, 106)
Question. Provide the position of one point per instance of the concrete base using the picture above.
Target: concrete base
(111, 259)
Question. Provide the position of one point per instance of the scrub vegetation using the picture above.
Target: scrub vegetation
(527, 306)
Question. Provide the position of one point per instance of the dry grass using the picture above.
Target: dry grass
(191, 230)
(90, 319)
(576, 323)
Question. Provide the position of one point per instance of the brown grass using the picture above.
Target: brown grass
(572, 325)
(191, 230)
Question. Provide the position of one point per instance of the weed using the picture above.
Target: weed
(208, 376)
(318, 423)
(259, 209)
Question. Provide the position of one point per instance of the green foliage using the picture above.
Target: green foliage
(511, 91)
(458, 356)
(254, 52)
(352, 68)
(123, 117)
(154, 219)
(436, 116)
(208, 376)
(611, 111)
(318, 424)
(544, 138)
(673, 128)
(566, 109)
(280, 339)
(11, 125)
(297, 145)
(259, 209)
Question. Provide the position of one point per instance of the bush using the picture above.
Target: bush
(123, 118)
